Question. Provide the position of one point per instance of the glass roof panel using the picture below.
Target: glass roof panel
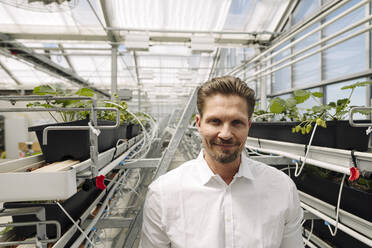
(169, 68)
(238, 12)
(5, 79)
(27, 75)
(170, 14)
(81, 20)
(257, 20)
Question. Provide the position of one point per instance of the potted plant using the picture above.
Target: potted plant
(74, 144)
(133, 127)
(296, 126)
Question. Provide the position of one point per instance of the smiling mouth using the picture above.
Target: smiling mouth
(225, 145)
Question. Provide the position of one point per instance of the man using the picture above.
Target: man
(222, 199)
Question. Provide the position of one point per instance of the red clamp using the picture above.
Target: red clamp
(354, 174)
(100, 182)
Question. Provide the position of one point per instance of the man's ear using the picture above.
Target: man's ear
(250, 123)
(198, 120)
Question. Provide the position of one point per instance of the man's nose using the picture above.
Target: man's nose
(225, 132)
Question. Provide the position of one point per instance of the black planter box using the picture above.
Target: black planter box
(338, 134)
(354, 201)
(75, 206)
(133, 130)
(75, 144)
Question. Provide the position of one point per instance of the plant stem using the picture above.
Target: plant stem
(320, 103)
(52, 116)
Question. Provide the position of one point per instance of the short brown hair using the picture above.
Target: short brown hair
(226, 85)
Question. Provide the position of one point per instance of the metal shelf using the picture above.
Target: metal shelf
(282, 153)
(340, 160)
(349, 220)
(58, 185)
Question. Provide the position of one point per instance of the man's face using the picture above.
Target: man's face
(224, 127)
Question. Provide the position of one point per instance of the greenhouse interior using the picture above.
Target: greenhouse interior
(122, 82)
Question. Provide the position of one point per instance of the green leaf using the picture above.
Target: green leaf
(65, 103)
(46, 105)
(357, 84)
(343, 102)
(332, 104)
(317, 94)
(44, 90)
(85, 92)
(277, 105)
(290, 102)
(317, 109)
(301, 95)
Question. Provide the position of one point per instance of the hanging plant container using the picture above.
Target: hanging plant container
(338, 134)
(75, 144)
(133, 130)
(353, 200)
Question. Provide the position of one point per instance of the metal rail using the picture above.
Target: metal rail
(329, 158)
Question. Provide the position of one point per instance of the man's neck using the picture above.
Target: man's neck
(226, 171)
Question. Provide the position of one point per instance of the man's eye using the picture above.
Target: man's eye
(215, 121)
(237, 122)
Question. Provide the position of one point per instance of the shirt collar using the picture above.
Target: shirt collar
(206, 173)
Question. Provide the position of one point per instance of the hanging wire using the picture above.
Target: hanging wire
(334, 232)
(75, 224)
(298, 172)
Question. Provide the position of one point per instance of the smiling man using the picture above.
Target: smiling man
(222, 199)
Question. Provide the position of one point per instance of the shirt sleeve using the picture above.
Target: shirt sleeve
(153, 233)
(292, 237)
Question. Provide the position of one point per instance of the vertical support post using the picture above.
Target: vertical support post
(93, 141)
(262, 81)
(114, 71)
(41, 233)
(139, 98)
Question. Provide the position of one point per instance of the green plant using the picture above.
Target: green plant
(286, 108)
(320, 113)
(110, 115)
(144, 118)
(65, 116)
(261, 115)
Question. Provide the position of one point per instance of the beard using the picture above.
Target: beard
(221, 155)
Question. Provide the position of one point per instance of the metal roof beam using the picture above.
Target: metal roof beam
(60, 46)
(111, 35)
(138, 80)
(10, 74)
(25, 54)
(221, 40)
(114, 49)
(215, 62)
(136, 67)
(58, 37)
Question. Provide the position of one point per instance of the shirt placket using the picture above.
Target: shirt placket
(229, 230)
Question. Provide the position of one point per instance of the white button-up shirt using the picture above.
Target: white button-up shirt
(191, 207)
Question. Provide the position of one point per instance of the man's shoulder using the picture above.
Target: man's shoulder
(173, 177)
(267, 172)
